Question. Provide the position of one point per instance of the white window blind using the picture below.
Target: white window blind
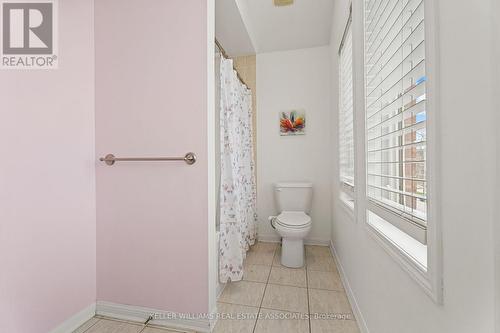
(346, 130)
(396, 113)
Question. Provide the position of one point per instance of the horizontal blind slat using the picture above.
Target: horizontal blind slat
(419, 48)
(374, 35)
(397, 147)
(406, 194)
(413, 90)
(346, 126)
(395, 101)
(418, 125)
(397, 177)
(415, 69)
(415, 13)
(413, 36)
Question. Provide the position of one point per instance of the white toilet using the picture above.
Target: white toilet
(293, 201)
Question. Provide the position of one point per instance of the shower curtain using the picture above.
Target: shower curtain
(237, 187)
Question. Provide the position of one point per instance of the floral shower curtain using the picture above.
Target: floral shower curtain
(237, 187)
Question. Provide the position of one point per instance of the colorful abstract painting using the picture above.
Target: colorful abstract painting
(293, 122)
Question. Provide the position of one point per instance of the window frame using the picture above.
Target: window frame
(429, 277)
(347, 191)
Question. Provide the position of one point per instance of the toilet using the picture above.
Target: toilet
(293, 201)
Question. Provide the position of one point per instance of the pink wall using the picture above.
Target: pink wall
(151, 100)
(47, 191)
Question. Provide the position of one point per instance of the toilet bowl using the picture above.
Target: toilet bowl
(293, 224)
(293, 227)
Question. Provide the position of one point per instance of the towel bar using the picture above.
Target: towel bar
(110, 159)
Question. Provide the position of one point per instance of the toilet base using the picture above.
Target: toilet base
(292, 253)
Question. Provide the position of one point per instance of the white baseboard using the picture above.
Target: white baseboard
(77, 320)
(160, 318)
(317, 241)
(269, 238)
(350, 294)
(273, 238)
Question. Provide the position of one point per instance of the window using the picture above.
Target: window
(346, 128)
(395, 97)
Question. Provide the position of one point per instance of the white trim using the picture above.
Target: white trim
(408, 264)
(213, 316)
(344, 205)
(269, 238)
(433, 165)
(219, 285)
(220, 289)
(496, 226)
(414, 250)
(350, 294)
(317, 241)
(495, 22)
(212, 251)
(409, 227)
(432, 280)
(166, 319)
(274, 238)
(77, 320)
(358, 50)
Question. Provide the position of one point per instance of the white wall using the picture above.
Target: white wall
(298, 79)
(389, 300)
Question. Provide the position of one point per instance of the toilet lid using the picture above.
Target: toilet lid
(293, 219)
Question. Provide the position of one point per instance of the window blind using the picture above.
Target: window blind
(395, 88)
(346, 128)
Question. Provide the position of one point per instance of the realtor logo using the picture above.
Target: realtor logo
(28, 34)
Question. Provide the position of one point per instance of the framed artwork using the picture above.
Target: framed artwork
(292, 122)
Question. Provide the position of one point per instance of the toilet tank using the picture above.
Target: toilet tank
(293, 196)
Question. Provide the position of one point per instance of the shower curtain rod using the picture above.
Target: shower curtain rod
(224, 54)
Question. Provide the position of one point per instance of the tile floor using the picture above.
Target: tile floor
(275, 299)
(104, 325)
(270, 299)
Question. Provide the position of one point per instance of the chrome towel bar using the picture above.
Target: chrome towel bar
(110, 159)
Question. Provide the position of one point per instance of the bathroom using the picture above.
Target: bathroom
(292, 77)
(222, 166)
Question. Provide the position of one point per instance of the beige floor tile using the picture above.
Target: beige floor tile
(235, 318)
(329, 302)
(318, 251)
(256, 273)
(88, 324)
(337, 326)
(285, 298)
(274, 321)
(288, 276)
(324, 280)
(111, 326)
(277, 258)
(158, 330)
(243, 293)
(259, 258)
(263, 247)
(317, 263)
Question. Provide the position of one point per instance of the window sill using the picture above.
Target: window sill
(347, 204)
(410, 254)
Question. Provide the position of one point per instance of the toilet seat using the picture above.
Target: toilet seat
(295, 220)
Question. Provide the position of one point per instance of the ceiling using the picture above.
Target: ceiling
(306, 23)
(230, 29)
